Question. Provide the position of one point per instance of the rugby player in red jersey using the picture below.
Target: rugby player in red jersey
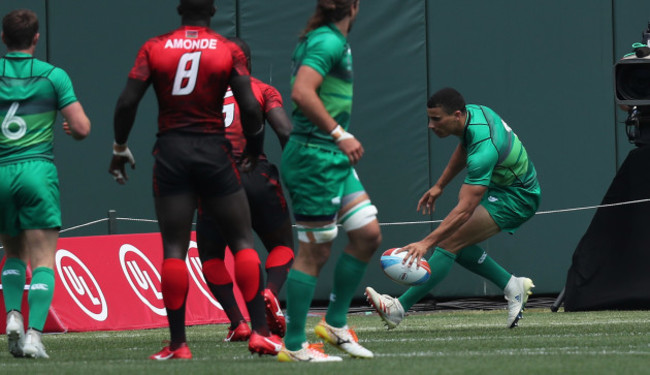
(269, 212)
(190, 69)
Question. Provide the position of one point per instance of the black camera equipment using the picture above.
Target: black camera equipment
(632, 86)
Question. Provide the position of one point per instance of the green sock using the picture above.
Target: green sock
(440, 263)
(475, 259)
(300, 291)
(39, 297)
(347, 277)
(13, 283)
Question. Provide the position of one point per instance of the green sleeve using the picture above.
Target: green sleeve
(63, 87)
(481, 160)
(323, 52)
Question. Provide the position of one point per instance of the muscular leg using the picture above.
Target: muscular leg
(301, 284)
(41, 244)
(279, 244)
(232, 215)
(351, 264)
(38, 246)
(212, 251)
(478, 228)
(14, 271)
(476, 260)
(175, 214)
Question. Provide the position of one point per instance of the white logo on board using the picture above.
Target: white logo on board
(143, 278)
(81, 285)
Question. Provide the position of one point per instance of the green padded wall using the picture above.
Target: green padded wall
(548, 76)
(387, 44)
(544, 66)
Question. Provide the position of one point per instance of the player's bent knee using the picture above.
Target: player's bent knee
(359, 216)
(317, 235)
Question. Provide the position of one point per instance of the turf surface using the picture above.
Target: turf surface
(441, 342)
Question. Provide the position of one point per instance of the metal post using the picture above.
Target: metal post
(558, 301)
(112, 222)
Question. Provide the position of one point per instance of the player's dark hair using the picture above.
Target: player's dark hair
(19, 28)
(244, 48)
(328, 11)
(448, 99)
(196, 9)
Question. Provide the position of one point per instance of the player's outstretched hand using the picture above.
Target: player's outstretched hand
(416, 251)
(121, 156)
(427, 204)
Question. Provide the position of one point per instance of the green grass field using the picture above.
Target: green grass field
(442, 342)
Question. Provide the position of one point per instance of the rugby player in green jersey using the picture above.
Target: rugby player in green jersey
(324, 188)
(31, 94)
(500, 192)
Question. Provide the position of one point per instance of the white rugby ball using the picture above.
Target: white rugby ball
(391, 263)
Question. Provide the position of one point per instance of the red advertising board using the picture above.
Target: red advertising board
(113, 283)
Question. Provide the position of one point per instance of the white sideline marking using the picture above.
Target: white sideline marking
(405, 326)
(506, 337)
(530, 352)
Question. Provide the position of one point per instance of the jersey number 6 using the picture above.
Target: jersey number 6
(10, 119)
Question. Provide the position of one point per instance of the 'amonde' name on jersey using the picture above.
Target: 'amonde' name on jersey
(191, 43)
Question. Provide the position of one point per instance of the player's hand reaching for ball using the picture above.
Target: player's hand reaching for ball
(416, 251)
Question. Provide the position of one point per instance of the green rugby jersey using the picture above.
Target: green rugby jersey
(495, 156)
(327, 51)
(31, 93)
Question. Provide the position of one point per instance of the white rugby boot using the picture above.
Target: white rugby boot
(389, 308)
(516, 293)
(308, 353)
(15, 333)
(33, 346)
(343, 338)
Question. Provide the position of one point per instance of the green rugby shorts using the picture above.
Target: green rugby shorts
(29, 196)
(510, 207)
(317, 178)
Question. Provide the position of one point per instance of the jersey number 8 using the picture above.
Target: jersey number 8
(186, 72)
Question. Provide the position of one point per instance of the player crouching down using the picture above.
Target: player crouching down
(500, 193)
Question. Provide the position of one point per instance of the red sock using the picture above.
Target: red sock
(215, 272)
(277, 267)
(247, 273)
(279, 256)
(174, 283)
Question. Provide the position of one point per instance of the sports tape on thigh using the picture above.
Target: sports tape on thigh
(317, 235)
(358, 216)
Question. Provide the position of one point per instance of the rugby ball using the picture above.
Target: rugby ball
(391, 263)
